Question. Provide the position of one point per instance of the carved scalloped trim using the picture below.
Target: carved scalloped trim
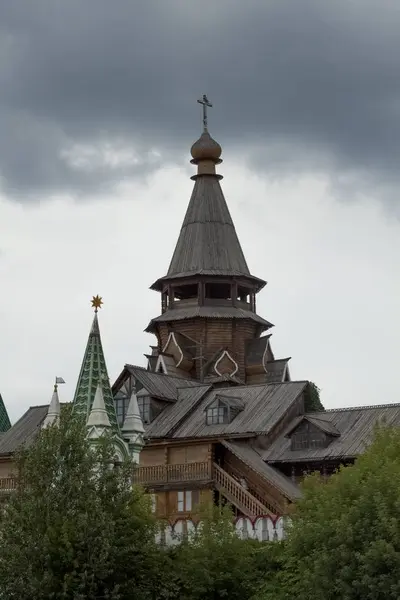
(226, 353)
(173, 338)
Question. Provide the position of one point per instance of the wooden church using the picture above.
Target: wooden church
(221, 419)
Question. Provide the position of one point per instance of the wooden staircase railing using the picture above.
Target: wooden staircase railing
(237, 494)
(235, 474)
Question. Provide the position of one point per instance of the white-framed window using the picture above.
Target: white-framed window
(153, 503)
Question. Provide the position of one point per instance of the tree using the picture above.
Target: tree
(216, 564)
(345, 539)
(75, 529)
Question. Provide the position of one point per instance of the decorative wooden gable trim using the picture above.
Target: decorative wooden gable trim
(174, 348)
(258, 354)
(309, 433)
(225, 364)
(161, 367)
(286, 374)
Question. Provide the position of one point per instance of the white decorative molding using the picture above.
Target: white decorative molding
(263, 528)
(173, 338)
(226, 353)
(161, 361)
(264, 357)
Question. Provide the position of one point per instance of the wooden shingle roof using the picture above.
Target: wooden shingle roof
(207, 312)
(356, 429)
(208, 243)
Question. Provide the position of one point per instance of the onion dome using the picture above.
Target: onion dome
(206, 148)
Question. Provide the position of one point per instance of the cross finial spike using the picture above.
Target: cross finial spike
(206, 103)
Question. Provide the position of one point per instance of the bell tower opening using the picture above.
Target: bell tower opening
(185, 292)
(218, 291)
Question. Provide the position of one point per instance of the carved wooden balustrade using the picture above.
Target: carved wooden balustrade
(163, 474)
(7, 484)
(237, 494)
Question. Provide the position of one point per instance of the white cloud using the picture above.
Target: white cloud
(332, 270)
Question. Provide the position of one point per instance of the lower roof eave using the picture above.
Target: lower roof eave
(313, 459)
(204, 438)
(170, 317)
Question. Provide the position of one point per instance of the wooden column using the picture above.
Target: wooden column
(234, 293)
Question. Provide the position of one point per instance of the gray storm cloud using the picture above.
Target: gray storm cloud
(305, 86)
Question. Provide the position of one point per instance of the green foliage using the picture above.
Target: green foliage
(312, 399)
(75, 528)
(216, 564)
(345, 538)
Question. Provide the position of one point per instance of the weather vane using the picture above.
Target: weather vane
(97, 301)
(206, 103)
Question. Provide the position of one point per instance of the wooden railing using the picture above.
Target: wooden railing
(236, 474)
(159, 474)
(7, 484)
(237, 494)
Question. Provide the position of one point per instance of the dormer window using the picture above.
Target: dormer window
(217, 415)
(149, 407)
(222, 410)
(309, 433)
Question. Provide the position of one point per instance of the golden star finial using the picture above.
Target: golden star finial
(97, 301)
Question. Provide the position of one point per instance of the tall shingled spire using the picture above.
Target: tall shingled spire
(94, 373)
(208, 243)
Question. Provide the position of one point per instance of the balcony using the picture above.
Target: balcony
(169, 474)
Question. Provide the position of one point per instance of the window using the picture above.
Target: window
(187, 500)
(308, 436)
(223, 410)
(217, 415)
(153, 503)
(145, 408)
(121, 406)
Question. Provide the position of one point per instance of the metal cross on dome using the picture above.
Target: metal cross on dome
(206, 103)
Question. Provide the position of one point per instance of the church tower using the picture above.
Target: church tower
(209, 328)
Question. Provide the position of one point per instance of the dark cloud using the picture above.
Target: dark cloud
(309, 85)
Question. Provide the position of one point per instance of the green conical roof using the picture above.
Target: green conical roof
(93, 372)
(5, 423)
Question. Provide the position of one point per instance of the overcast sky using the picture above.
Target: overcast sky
(97, 114)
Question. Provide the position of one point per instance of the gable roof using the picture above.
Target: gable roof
(263, 407)
(228, 400)
(159, 385)
(24, 431)
(173, 415)
(355, 425)
(323, 424)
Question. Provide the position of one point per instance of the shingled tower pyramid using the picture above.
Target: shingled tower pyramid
(93, 374)
(209, 326)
